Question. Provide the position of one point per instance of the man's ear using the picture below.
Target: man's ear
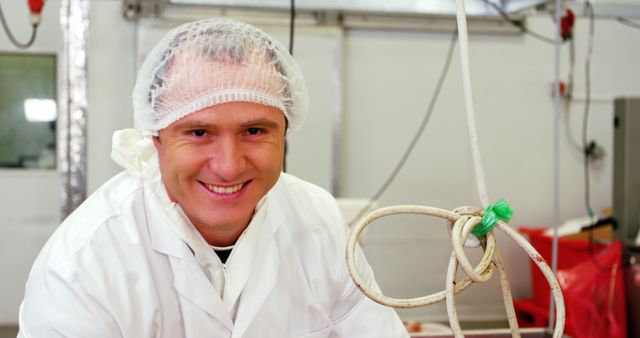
(156, 141)
(286, 127)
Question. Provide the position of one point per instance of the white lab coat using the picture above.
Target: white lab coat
(119, 267)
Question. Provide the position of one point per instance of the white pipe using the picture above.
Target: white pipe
(462, 221)
(556, 157)
(468, 100)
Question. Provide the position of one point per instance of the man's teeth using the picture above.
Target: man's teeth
(224, 190)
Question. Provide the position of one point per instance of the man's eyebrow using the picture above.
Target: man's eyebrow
(194, 125)
(262, 122)
(259, 122)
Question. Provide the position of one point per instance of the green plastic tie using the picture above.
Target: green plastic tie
(500, 211)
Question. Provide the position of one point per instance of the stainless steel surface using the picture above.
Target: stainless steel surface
(74, 18)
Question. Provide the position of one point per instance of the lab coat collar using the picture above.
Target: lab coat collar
(192, 284)
(265, 270)
(163, 239)
(137, 154)
(190, 279)
(240, 263)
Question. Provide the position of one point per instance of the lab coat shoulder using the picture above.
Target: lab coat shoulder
(316, 227)
(319, 231)
(103, 208)
(315, 209)
(91, 257)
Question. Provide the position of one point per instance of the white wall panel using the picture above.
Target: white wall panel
(29, 199)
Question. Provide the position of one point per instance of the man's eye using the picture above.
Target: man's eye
(254, 131)
(198, 132)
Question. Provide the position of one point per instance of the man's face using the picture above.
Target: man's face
(217, 164)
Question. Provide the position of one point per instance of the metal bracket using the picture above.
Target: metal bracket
(135, 9)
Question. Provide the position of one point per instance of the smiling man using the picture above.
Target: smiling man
(202, 235)
(217, 164)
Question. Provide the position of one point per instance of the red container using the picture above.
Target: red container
(571, 252)
(531, 314)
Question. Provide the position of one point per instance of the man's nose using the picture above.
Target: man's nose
(228, 159)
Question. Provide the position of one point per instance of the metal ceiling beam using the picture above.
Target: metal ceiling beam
(378, 7)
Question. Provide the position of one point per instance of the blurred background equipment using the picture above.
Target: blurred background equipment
(35, 7)
(626, 198)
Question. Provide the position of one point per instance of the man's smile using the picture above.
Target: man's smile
(224, 190)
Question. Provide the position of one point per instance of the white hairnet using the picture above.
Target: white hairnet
(214, 61)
